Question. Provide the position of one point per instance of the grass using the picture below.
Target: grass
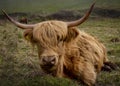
(19, 65)
(48, 80)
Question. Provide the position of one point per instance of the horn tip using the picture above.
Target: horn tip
(3, 11)
(94, 2)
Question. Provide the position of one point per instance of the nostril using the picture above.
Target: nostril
(52, 63)
(48, 60)
(53, 59)
(44, 60)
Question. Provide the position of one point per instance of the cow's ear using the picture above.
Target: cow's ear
(72, 34)
(28, 35)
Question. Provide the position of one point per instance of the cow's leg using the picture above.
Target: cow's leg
(109, 66)
(85, 72)
(89, 78)
(89, 75)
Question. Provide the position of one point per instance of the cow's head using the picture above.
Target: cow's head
(50, 37)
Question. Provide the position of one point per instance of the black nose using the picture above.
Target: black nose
(49, 60)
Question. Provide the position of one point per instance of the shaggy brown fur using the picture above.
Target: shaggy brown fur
(79, 55)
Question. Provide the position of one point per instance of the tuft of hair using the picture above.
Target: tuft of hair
(50, 33)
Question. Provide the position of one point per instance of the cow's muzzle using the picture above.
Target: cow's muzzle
(48, 61)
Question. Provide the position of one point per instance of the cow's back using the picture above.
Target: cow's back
(86, 48)
(91, 49)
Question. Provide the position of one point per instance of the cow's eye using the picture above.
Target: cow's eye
(59, 38)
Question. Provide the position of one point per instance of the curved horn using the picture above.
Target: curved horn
(81, 20)
(18, 24)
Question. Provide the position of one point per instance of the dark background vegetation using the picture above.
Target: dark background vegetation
(19, 64)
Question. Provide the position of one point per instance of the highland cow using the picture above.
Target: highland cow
(64, 50)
